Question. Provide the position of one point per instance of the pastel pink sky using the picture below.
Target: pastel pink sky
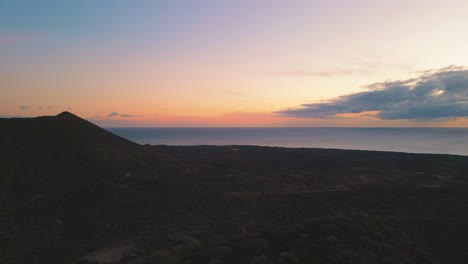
(219, 63)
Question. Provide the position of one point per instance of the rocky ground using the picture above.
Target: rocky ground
(83, 195)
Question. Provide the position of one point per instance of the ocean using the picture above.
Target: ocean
(412, 140)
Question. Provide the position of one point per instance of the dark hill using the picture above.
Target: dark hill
(67, 186)
(59, 151)
(71, 192)
(64, 136)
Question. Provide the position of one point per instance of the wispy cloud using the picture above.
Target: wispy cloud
(45, 107)
(113, 114)
(117, 114)
(434, 94)
(24, 107)
(325, 74)
(361, 65)
(129, 115)
(40, 107)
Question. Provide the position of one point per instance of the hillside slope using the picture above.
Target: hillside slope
(59, 151)
(72, 193)
(66, 185)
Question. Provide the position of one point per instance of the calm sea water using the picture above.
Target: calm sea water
(414, 140)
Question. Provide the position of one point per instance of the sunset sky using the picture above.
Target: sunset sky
(237, 63)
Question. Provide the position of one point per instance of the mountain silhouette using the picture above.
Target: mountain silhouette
(64, 167)
(59, 151)
(64, 133)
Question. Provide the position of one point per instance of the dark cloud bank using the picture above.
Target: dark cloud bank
(434, 94)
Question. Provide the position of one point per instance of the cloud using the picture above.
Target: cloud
(358, 65)
(41, 107)
(325, 74)
(115, 114)
(129, 115)
(434, 94)
(24, 107)
(45, 107)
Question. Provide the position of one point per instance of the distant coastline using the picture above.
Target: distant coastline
(411, 140)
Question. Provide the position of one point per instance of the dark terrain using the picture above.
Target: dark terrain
(71, 192)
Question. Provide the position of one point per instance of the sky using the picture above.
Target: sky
(352, 63)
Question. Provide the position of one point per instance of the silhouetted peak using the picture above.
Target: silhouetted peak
(66, 136)
(67, 114)
(70, 118)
